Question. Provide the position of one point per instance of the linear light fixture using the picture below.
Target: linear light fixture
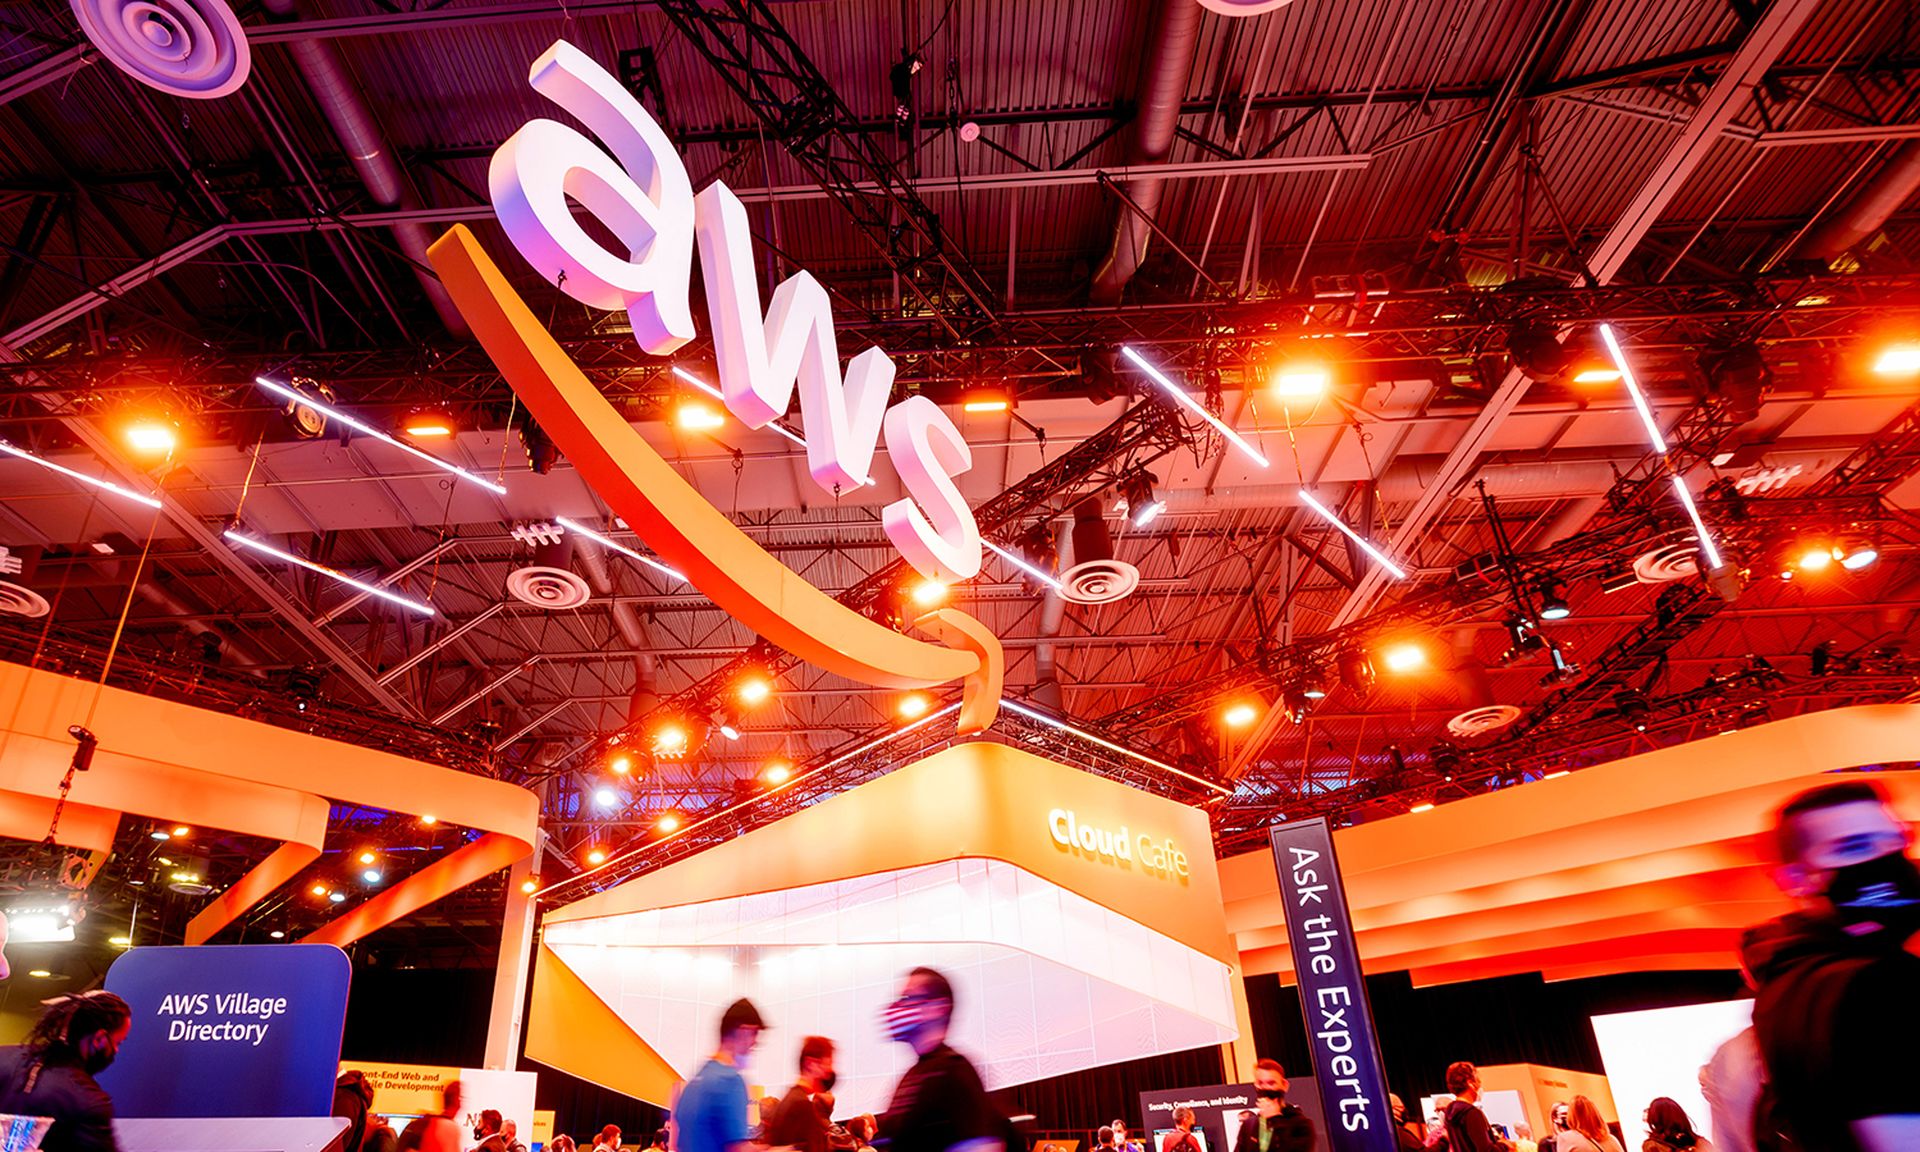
(365, 429)
(1707, 549)
(1063, 726)
(606, 542)
(1180, 394)
(1633, 388)
(106, 485)
(775, 426)
(1014, 559)
(322, 569)
(1326, 514)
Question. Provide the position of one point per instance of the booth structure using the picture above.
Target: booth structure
(1079, 920)
(1656, 862)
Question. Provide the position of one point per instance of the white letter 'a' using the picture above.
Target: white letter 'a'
(928, 451)
(760, 359)
(641, 193)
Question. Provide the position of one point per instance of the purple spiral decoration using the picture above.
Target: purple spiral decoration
(192, 48)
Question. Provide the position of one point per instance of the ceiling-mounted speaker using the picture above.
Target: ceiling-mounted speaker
(191, 48)
(1096, 577)
(19, 600)
(1482, 721)
(550, 581)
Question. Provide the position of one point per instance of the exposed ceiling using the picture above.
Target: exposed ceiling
(1393, 186)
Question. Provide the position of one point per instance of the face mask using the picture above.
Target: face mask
(828, 1081)
(903, 1019)
(100, 1058)
(1878, 897)
(1271, 1094)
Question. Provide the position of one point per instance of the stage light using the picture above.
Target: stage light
(1300, 381)
(914, 705)
(1314, 685)
(276, 934)
(1423, 806)
(694, 416)
(754, 689)
(1295, 704)
(1536, 350)
(337, 897)
(710, 390)
(319, 889)
(1356, 670)
(151, 437)
(985, 400)
(1142, 505)
(105, 485)
(30, 926)
(182, 830)
(367, 857)
(596, 857)
(322, 569)
(1740, 378)
(428, 423)
(629, 553)
(161, 834)
(928, 593)
(429, 820)
(39, 973)
(1404, 657)
(620, 764)
(670, 739)
(1240, 715)
(1553, 598)
(729, 731)
(1815, 559)
(529, 886)
(120, 941)
(1898, 360)
(1366, 546)
(286, 393)
(1658, 441)
(371, 876)
(668, 822)
(1597, 375)
(777, 773)
(1180, 395)
(165, 861)
(605, 797)
(1856, 554)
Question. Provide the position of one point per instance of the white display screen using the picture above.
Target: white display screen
(1659, 1052)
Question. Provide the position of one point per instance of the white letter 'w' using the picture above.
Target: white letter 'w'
(759, 361)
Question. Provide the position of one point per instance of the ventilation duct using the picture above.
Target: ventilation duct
(1869, 209)
(1047, 690)
(1095, 577)
(353, 122)
(627, 622)
(1163, 87)
(549, 581)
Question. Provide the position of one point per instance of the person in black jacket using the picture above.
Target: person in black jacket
(52, 1073)
(1281, 1127)
(1467, 1127)
(352, 1096)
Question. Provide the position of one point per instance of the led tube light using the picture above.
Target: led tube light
(1180, 394)
(1046, 578)
(775, 426)
(1633, 388)
(1378, 556)
(605, 542)
(365, 429)
(322, 569)
(107, 485)
(1707, 549)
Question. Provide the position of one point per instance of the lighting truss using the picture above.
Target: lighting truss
(97, 482)
(331, 573)
(1640, 405)
(1180, 394)
(365, 429)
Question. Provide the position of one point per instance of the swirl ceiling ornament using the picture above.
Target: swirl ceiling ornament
(190, 48)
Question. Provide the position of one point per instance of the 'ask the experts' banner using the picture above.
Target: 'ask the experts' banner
(236, 1030)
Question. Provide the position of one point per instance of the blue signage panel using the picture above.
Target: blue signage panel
(237, 1030)
(1333, 993)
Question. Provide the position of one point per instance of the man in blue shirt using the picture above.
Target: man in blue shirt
(712, 1113)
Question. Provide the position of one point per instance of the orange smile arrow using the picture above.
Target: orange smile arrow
(691, 534)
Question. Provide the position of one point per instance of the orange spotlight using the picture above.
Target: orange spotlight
(668, 822)
(985, 400)
(1405, 656)
(1301, 381)
(1240, 715)
(319, 889)
(429, 820)
(153, 437)
(914, 705)
(620, 764)
(1817, 558)
(754, 689)
(777, 773)
(529, 886)
(181, 830)
(1597, 374)
(367, 857)
(1898, 360)
(928, 593)
(696, 416)
(427, 423)
(1423, 806)
(670, 739)
(597, 857)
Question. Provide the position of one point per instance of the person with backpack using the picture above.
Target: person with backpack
(1837, 995)
(1466, 1125)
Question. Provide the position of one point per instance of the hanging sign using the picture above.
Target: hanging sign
(229, 1030)
(1333, 991)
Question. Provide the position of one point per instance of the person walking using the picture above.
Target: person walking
(939, 1104)
(712, 1113)
(52, 1074)
(795, 1121)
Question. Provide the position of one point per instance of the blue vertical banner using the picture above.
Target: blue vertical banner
(229, 1030)
(1333, 992)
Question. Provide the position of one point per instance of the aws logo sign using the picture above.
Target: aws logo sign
(1118, 845)
(634, 184)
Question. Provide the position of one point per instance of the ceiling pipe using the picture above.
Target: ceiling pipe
(235, 652)
(1162, 89)
(626, 620)
(1869, 209)
(1047, 690)
(346, 109)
